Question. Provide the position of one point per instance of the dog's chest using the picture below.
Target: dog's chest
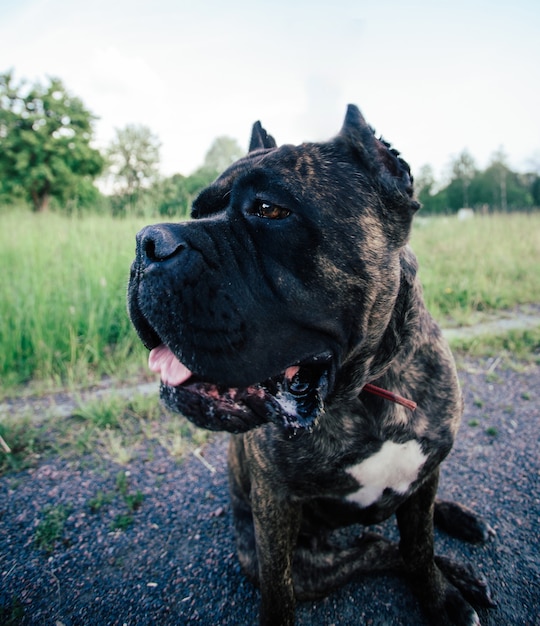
(395, 467)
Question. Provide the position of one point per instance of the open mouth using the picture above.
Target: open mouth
(294, 399)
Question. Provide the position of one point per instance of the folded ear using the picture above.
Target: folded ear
(260, 139)
(376, 154)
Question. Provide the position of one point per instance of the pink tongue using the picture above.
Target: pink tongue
(162, 361)
(291, 372)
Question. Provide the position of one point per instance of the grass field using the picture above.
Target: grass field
(484, 264)
(63, 283)
(63, 298)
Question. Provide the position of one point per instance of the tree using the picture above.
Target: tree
(425, 188)
(500, 171)
(172, 196)
(464, 171)
(223, 151)
(45, 136)
(134, 159)
(534, 178)
(535, 190)
(424, 182)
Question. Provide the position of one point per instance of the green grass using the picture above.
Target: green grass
(100, 501)
(63, 298)
(480, 265)
(26, 442)
(63, 317)
(110, 428)
(133, 501)
(50, 528)
(13, 613)
(516, 345)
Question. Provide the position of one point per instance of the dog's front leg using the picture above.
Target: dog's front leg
(441, 601)
(276, 523)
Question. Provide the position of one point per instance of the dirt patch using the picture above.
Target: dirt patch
(521, 318)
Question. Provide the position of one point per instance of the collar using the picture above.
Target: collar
(390, 395)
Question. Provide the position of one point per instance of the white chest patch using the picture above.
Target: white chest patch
(394, 466)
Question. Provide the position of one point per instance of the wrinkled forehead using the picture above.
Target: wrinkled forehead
(246, 164)
(293, 165)
(287, 159)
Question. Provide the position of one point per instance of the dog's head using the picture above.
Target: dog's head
(257, 309)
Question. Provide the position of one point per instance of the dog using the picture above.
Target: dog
(288, 312)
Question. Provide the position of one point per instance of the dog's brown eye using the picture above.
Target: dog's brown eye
(271, 211)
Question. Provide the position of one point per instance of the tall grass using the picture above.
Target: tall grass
(482, 264)
(62, 297)
(63, 286)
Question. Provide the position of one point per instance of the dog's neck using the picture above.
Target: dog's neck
(396, 342)
(398, 338)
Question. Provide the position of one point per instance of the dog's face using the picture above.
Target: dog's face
(287, 275)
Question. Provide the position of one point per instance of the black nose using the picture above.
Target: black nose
(159, 243)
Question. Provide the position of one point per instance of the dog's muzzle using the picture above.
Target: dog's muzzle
(293, 399)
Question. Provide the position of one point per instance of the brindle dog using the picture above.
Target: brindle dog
(289, 312)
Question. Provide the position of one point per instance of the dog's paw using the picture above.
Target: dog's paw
(443, 604)
(473, 587)
(455, 611)
(461, 522)
(452, 610)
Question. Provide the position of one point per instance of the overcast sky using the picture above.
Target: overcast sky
(432, 77)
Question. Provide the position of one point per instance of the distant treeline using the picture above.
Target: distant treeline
(495, 189)
(47, 161)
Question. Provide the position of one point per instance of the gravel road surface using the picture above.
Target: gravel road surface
(176, 564)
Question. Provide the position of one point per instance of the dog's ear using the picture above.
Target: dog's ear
(358, 134)
(376, 154)
(260, 139)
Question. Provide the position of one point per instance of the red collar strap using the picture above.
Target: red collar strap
(389, 395)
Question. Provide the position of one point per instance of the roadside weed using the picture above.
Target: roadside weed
(100, 501)
(514, 345)
(13, 614)
(51, 527)
(110, 427)
(23, 443)
(133, 501)
(122, 521)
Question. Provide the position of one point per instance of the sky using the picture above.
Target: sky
(433, 78)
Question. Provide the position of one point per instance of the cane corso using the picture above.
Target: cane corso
(289, 313)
